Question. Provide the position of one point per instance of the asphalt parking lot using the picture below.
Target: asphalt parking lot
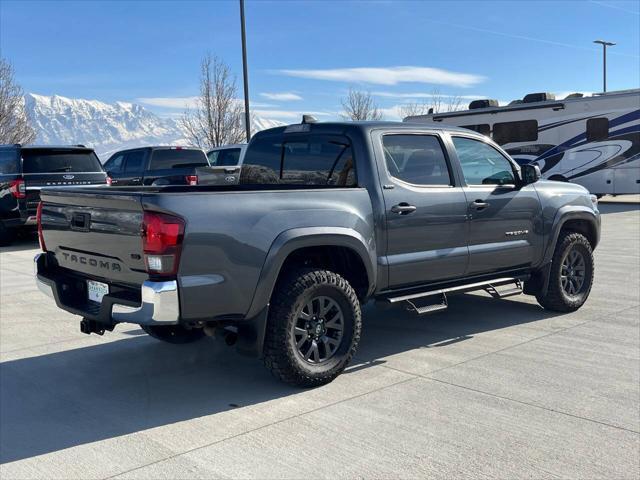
(488, 388)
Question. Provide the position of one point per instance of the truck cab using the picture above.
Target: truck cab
(155, 166)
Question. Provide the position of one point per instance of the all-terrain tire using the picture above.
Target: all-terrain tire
(556, 298)
(282, 356)
(176, 334)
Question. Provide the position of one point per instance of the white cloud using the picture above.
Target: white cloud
(281, 96)
(288, 114)
(169, 102)
(389, 75)
(182, 103)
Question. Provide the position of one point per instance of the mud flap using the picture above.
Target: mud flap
(251, 333)
(538, 284)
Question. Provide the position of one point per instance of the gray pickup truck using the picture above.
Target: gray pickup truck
(326, 216)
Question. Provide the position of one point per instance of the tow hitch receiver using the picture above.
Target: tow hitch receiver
(91, 326)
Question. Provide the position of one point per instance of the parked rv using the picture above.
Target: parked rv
(590, 140)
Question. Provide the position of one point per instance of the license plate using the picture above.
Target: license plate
(96, 290)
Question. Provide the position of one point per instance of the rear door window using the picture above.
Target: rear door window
(177, 158)
(416, 159)
(9, 163)
(59, 161)
(316, 160)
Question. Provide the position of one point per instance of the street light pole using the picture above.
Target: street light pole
(604, 61)
(247, 116)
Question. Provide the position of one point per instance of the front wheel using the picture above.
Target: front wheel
(176, 334)
(313, 328)
(571, 274)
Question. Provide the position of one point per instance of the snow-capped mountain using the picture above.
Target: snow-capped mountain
(106, 127)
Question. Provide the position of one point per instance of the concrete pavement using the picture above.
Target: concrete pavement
(497, 388)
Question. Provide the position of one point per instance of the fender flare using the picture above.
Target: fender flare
(565, 214)
(539, 283)
(296, 238)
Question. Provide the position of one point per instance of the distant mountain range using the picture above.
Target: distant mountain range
(106, 127)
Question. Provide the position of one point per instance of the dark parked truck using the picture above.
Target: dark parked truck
(326, 216)
(156, 166)
(24, 170)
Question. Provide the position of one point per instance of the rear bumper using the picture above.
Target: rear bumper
(159, 304)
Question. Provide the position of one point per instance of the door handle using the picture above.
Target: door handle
(479, 205)
(403, 208)
(137, 179)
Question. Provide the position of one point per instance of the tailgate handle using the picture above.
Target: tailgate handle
(230, 170)
(80, 221)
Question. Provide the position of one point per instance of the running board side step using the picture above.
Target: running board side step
(490, 286)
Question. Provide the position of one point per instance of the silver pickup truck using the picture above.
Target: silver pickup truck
(326, 216)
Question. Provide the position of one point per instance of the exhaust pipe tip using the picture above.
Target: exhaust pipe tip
(230, 338)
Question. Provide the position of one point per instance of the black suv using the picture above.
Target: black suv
(25, 170)
(155, 166)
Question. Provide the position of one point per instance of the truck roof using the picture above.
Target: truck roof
(55, 147)
(366, 126)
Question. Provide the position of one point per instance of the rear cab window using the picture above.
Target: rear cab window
(165, 159)
(313, 160)
(58, 161)
(9, 161)
(228, 157)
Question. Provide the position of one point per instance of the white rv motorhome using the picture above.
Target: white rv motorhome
(593, 141)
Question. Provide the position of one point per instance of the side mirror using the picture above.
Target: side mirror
(530, 173)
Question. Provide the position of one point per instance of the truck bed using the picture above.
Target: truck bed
(229, 231)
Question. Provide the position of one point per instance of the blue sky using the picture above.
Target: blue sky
(304, 55)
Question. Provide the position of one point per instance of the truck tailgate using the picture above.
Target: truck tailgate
(96, 232)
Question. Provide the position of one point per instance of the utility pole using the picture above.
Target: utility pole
(247, 116)
(604, 61)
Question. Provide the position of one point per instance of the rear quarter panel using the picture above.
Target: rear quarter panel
(229, 235)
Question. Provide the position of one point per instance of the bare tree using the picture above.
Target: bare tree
(359, 105)
(14, 120)
(437, 103)
(217, 118)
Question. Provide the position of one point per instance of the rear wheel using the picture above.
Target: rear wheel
(313, 328)
(571, 274)
(176, 334)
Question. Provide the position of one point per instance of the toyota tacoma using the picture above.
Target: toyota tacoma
(325, 217)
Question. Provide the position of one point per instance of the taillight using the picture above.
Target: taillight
(39, 220)
(109, 181)
(17, 188)
(191, 179)
(162, 236)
